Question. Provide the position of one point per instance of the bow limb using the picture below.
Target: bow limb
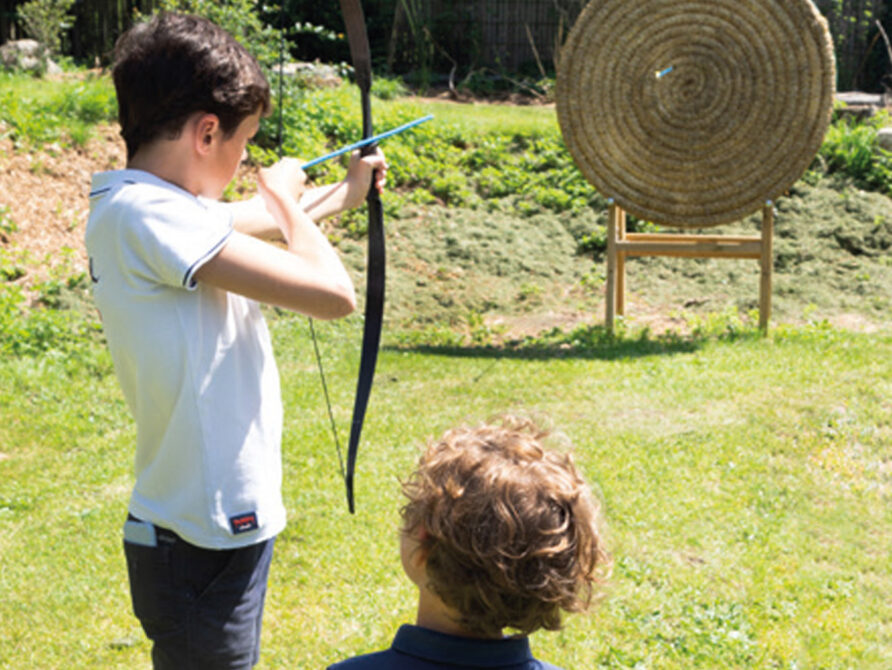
(354, 19)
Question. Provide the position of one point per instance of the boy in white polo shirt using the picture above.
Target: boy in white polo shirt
(177, 276)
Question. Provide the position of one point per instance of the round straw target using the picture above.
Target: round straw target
(695, 112)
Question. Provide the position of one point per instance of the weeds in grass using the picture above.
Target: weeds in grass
(35, 116)
(7, 225)
(32, 331)
(52, 315)
(12, 264)
(386, 88)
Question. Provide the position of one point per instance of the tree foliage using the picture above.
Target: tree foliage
(240, 19)
(46, 20)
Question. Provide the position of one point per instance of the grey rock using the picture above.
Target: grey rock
(884, 138)
(27, 56)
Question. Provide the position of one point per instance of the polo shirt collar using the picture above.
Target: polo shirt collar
(103, 182)
(441, 648)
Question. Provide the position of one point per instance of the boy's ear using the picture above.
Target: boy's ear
(205, 128)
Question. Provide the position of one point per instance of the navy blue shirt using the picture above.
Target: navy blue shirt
(416, 648)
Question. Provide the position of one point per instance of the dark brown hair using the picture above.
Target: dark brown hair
(508, 527)
(175, 65)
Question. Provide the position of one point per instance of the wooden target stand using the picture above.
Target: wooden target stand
(622, 245)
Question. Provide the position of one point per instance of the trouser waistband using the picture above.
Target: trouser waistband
(146, 533)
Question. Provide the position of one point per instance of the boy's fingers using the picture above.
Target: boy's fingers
(376, 159)
(293, 163)
(285, 174)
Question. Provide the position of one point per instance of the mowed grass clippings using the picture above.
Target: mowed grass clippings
(746, 487)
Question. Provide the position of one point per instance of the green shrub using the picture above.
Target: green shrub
(45, 20)
(90, 101)
(7, 225)
(60, 111)
(388, 89)
(240, 19)
(850, 148)
(11, 264)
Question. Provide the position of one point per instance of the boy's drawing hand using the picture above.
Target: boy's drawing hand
(359, 176)
(284, 178)
(281, 186)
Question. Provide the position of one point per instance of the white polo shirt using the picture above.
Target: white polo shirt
(195, 364)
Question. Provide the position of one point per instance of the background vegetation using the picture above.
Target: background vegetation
(492, 43)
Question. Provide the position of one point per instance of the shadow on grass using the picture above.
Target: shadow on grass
(588, 342)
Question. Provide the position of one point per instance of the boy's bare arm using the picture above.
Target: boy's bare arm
(309, 277)
(252, 217)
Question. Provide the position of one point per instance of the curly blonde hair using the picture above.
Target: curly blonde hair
(509, 528)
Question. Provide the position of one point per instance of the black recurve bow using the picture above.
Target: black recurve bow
(354, 19)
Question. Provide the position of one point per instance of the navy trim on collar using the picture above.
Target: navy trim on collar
(441, 648)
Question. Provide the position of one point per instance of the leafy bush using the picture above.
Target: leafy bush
(240, 19)
(63, 112)
(11, 265)
(850, 148)
(388, 89)
(7, 225)
(44, 20)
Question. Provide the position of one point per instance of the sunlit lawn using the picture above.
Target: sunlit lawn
(746, 483)
(492, 117)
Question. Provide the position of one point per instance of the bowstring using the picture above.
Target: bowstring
(334, 427)
(318, 356)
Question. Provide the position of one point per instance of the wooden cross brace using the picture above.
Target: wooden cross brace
(622, 245)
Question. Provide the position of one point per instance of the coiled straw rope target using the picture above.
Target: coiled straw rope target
(693, 113)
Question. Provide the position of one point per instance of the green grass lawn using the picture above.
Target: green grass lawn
(746, 485)
(485, 118)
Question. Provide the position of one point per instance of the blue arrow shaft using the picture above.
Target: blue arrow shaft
(367, 141)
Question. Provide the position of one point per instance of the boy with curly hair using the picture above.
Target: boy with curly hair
(177, 277)
(499, 533)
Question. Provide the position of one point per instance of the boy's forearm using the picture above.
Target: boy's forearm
(304, 238)
(251, 216)
(325, 201)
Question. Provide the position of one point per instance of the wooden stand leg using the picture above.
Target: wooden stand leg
(766, 261)
(621, 266)
(622, 245)
(613, 213)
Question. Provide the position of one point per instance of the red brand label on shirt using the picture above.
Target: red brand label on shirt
(242, 523)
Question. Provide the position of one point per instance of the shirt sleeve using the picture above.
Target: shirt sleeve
(173, 236)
